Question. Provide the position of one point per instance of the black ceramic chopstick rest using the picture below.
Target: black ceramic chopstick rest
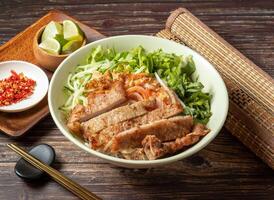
(44, 153)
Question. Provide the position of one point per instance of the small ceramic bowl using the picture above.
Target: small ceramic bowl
(31, 71)
(45, 59)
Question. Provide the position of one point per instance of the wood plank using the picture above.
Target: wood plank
(225, 169)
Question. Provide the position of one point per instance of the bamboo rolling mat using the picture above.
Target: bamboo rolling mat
(251, 90)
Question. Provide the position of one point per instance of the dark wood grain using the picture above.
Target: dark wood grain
(225, 169)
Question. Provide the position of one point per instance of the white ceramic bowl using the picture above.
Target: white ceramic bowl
(207, 75)
(31, 71)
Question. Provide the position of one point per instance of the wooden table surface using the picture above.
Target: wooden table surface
(225, 169)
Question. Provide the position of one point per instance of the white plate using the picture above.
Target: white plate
(206, 72)
(32, 72)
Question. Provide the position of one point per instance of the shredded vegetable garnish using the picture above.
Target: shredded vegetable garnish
(15, 88)
(176, 71)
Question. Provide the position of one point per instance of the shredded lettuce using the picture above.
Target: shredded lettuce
(177, 71)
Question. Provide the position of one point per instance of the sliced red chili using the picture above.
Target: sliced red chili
(15, 88)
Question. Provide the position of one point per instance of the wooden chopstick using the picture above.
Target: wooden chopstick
(69, 184)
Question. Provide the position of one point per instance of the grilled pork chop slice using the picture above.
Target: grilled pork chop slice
(73, 123)
(98, 103)
(105, 101)
(154, 148)
(117, 115)
(157, 114)
(164, 129)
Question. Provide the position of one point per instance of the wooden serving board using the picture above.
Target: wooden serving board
(20, 48)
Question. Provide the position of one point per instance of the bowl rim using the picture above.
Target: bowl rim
(140, 163)
(38, 36)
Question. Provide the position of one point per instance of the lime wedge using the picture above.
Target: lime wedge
(72, 31)
(60, 39)
(51, 46)
(71, 46)
(51, 30)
